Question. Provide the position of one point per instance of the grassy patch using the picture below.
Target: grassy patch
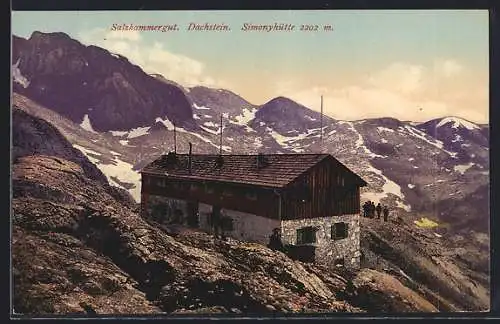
(424, 222)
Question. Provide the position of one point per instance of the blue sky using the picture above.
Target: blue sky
(373, 63)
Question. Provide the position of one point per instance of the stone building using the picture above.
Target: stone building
(313, 199)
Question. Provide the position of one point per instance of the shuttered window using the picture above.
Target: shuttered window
(306, 235)
(339, 231)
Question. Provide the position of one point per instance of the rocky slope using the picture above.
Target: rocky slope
(95, 255)
(34, 136)
(450, 271)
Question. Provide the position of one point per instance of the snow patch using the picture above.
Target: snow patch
(119, 169)
(457, 138)
(463, 167)
(280, 139)
(18, 76)
(208, 130)
(118, 133)
(384, 129)
(206, 140)
(246, 115)
(423, 136)
(88, 153)
(124, 172)
(200, 107)
(139, 131)
(166, 122)
(411, 186)
(211, 124)
(360, 142)
(457, 122)
(389, 187)
(123, 142)
(85, 124)
(309, 118)
(196, 116)
(383, 140)
(411, 159)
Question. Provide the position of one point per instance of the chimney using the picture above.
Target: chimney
(171, 159)
(261, 161)
(219, 161)
(190, 158)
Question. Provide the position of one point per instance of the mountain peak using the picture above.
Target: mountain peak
(457, 122)
(41, 35)
(282, 100)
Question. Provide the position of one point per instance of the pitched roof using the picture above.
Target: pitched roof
(279, 169)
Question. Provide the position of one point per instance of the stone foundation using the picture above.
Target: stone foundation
(253, 228)
(328, 251)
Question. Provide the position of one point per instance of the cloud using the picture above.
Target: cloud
(449, 68)
(132, 35)
(152, 58)
(403, 91)
(400, 77)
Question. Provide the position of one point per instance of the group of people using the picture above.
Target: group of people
(369, 210)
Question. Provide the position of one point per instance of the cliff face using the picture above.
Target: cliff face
(93, 254)
(77, 80)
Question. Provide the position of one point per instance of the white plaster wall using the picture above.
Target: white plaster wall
(246, 227)
(328, 250)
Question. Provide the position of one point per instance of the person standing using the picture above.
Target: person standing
(216, 221)
(379, 210)
(275, 242)
(386, 213)
(365, 209)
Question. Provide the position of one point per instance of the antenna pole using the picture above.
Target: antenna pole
(321, 126)
(220, 148)
(175, 140)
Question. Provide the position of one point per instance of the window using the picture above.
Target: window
(306, 235)
(339, 231)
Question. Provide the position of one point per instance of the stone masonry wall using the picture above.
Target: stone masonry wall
(328, 250)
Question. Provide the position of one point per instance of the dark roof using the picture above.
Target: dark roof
(279, 169)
